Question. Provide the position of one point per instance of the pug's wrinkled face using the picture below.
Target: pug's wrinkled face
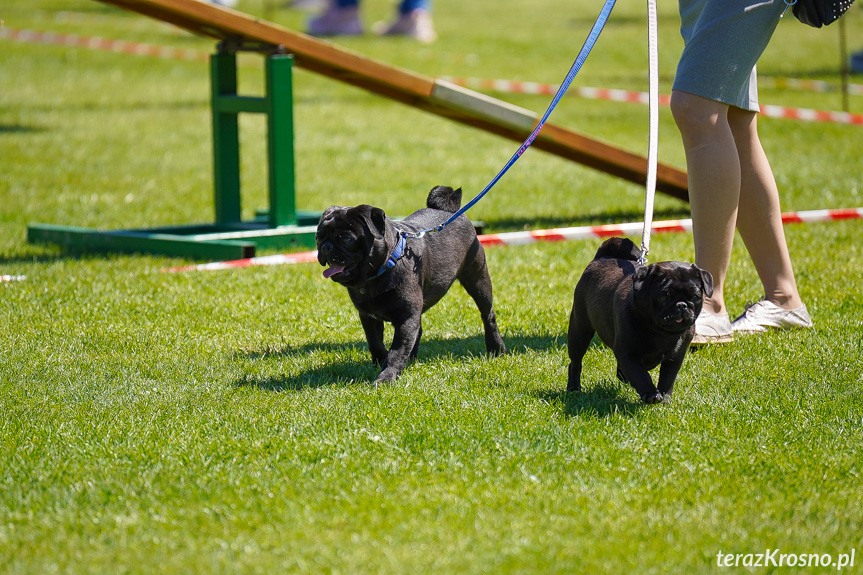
(670, 294)
(350, 242)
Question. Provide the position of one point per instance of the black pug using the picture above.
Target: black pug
(645, 314)
(395, 279)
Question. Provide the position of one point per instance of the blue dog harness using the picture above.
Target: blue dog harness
(394, 257)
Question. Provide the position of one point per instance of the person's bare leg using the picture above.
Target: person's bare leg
(713, 167)
(759, 220)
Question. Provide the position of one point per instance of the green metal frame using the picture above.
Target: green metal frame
(229, 237)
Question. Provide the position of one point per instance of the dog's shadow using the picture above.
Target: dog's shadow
(355, 366)
(602, 399)
(335, 374)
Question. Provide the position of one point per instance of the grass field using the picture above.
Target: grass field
(225, 422)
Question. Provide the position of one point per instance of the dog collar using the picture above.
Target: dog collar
(394, 257)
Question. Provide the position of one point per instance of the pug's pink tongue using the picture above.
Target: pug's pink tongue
(333, 270)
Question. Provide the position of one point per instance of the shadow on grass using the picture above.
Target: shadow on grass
(336, 375)
(429, 348)
(20, 129)
(603, 399)
(137, 106)
(352, 371)
(43, 258)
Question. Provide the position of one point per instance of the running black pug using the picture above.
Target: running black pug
(394, 279)
(645, 314)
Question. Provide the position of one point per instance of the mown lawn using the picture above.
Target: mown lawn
(225, 422)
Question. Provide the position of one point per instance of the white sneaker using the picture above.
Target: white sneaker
(336, 21)
(763, 315)
(712, 328)
(416, 24)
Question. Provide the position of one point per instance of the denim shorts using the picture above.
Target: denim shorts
(723, 40)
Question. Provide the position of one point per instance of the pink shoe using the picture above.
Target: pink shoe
(336, 22)
(416, 24)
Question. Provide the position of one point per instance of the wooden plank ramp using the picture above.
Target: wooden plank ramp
(432, 95)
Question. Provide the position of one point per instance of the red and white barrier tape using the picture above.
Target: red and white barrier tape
(809, 115)
(116, 20)
(511, 87)
(529, 237)
(506, 86)
(274, 260)
(104, 44)
(807, 85)
(514, 87)
(145, 24)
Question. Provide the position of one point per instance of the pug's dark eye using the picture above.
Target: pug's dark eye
(348, 241)
(663, 297)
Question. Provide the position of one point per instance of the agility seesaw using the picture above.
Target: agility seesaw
(231, 238)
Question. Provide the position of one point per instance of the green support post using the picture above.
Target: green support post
(229, 237)
(276, 105)
(226, 137)
(280, 126)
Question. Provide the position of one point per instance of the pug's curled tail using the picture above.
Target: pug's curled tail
(444, 198)
(618, 248)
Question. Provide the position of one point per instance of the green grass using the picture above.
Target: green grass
(225, 422)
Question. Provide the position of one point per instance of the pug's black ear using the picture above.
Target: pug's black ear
(706, 280)
(329, 212)
(375, 218)
(640, 276)
(379, 219)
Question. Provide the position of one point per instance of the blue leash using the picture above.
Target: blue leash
(598, 25)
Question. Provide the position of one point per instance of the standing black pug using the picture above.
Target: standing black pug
(395, 279)
(645, 314)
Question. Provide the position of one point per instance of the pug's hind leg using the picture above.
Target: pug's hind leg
(374, 330)
(477, 283)
(621, 376)
(577, 343)
(416, 350)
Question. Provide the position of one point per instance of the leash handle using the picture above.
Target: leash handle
(653, 135)
(598, 25)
